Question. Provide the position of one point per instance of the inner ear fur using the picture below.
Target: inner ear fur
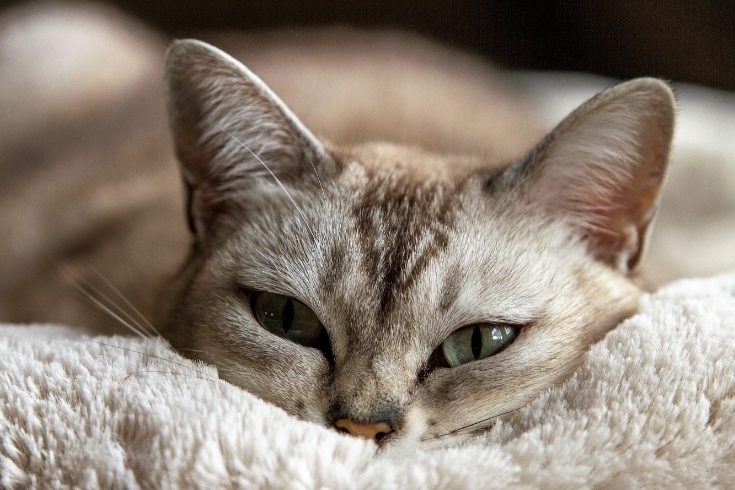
(602, 167)
(233, 136)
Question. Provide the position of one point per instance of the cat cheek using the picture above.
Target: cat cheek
(312, 412)
(416, 426)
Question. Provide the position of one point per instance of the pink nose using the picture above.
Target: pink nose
(366, 431)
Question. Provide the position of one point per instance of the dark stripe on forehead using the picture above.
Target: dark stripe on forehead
(334, 269)
(451, 288)
(393, 218)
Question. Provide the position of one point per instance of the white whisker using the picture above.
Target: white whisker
(129, 304)
(303, 217)
(80, 285)
(152, 356)
(231, 365)
(114, 315)
(510, 192)
(111, 307)
(468, 427)
(152, 371)
(311, 162)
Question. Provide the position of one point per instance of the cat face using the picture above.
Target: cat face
(391, 293)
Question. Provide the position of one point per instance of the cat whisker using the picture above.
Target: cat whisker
(141, 317)
(107, 310)
(136, 373)
(231, 365)
(98, 298)
(278, 181)
(227, 363)
(311, 162)
(152, 356)
(507, 195)
(468, 427)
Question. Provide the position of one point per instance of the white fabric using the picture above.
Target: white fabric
(652, 406)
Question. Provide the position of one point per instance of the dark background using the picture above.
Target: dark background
(681, 40)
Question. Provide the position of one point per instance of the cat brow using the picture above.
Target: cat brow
(303, 217)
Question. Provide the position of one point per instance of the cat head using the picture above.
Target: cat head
(392, 293)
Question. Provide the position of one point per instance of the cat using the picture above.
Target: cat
(394, 293)
(404, 292)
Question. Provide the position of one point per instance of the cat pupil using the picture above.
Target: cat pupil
(476, 342)
(287, 316)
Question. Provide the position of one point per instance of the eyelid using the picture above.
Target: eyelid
(242, 290)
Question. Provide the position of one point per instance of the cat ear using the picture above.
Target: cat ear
(602, 167)
(233, 136)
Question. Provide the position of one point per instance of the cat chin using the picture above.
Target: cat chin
(414, 428)
(418, 433)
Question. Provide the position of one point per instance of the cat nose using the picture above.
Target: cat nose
(374, 431)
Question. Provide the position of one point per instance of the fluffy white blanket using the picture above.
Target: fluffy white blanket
(652, 406)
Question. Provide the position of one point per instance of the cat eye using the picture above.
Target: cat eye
(476, 342)
(288, 318)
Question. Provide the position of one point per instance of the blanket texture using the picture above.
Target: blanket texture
(652, 406)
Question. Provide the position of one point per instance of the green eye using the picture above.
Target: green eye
(288, 318)
(476, 342)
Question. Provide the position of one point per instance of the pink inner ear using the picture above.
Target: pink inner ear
(603, 166)
(625, 215)
(624, 225)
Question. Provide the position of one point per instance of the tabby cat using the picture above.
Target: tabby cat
(394, 293)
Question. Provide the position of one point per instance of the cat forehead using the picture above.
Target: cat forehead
(384, 237)
(393, 190)
(376, 238)
(411, 165)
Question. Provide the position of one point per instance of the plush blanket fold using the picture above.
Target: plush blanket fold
(652, 406)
